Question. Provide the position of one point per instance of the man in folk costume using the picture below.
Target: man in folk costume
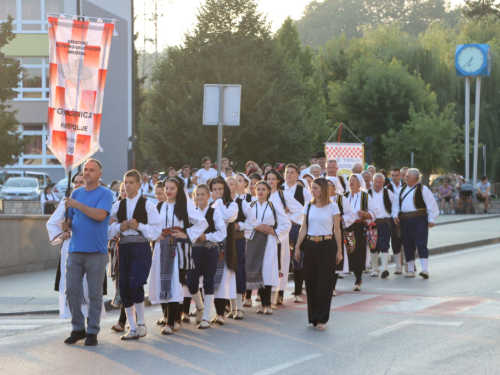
(416, 212)
(313, 159)
(150, 193)
(395, 186)
(331, 171)
(146, 185)
(301, 195)
(137, 221)
(385, 203)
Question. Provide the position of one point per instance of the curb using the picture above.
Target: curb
(433, 251)
(492, 216)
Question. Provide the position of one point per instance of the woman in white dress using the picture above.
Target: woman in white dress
(293, 210)
(182, 225)
(262, 263)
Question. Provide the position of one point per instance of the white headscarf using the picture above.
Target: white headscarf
(306, 184)
(361, 181)
(338, 187)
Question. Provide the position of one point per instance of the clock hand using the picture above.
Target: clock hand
(469, 61)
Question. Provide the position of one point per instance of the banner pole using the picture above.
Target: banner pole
(340, 132)
(67, 196)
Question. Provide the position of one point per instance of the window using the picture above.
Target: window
(34, 84)
(36, 153)
(29, 15)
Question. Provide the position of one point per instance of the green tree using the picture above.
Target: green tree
(231, 43)
(435, 140)
(10, 70)
(375, 98)
(480, 8)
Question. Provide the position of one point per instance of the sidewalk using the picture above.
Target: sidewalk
(34, 292)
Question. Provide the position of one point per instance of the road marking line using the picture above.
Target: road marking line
(284, 366)
(18, 327)
(489, 309)
(399, 289)
(346, 299)
(395, 327)
(413, 305)
(34, 321)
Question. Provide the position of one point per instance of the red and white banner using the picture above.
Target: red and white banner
(78, 56)
(346, 154)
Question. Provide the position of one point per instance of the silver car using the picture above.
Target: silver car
(21, 189)
(59, 189)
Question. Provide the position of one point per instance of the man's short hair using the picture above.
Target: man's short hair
(331, 161)
(292, 166)
(406, 168)
(228, 169)
(75, 176)
(224, 159)
(313, 156)
(484, 178)
(133, 173)
(302, 164)
(95, 161)
(377, 175)
(153, 173)
(414, 172)
(320, 154)
(395, 170)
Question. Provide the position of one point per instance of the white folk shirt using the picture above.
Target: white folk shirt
(349, 214)
(251, 221)
(409, 206)
(294, 207)
(397, 189)
(378, 201)
(320, 221)
(220, 227)
(150, 231)
(293, 189)
(204, 175)
(355, 200)
(229, 214)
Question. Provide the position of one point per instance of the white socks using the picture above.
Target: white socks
(130, 311)
(374, 259)
(385, 260)
(141, 310)
(208, 306)
(397, 258)
(424, 263)
(239, 302)
(411, 266)
(274, 298)
(198, 301)
(368, 256)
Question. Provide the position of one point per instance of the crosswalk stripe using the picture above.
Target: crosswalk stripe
(34, 321)
(413, 305)
(490, 309)
(12, 327)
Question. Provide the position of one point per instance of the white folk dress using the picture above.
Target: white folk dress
(264, 215)
(227, 287)
(199, 225)
(295, 216)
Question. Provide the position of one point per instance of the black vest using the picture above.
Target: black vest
(299, 194)
(391, 187)
(241, 216)
(364, 199)
(418, 197)
(342, 182)
(387, 200)
(140, 214)
(340, 203)
(209, 217)
(248, 198)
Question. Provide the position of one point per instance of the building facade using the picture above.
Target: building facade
(31, 47)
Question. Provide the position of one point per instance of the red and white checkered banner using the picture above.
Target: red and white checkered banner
(79, 53)
(346, 154)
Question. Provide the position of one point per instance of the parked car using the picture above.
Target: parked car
(21, 189)
(5, 174)
(43, 178)
(59, 189)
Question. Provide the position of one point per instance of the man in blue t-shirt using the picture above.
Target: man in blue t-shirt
(88, 218)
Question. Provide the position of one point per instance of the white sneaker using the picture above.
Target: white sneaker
(334, 294)
(297, 299)
(442, 212)
(374, 274)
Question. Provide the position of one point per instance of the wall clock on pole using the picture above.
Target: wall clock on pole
(472, 60)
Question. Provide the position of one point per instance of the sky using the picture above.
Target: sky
(178, 16)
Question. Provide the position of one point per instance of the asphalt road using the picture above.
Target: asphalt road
(448, 324)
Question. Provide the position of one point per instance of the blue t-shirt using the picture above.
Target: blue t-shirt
(89, 235)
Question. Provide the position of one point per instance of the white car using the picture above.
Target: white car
(59, 189)
(21, 189)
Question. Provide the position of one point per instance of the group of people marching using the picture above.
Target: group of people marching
(232, 237)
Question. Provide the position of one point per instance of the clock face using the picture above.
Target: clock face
(470, 59)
